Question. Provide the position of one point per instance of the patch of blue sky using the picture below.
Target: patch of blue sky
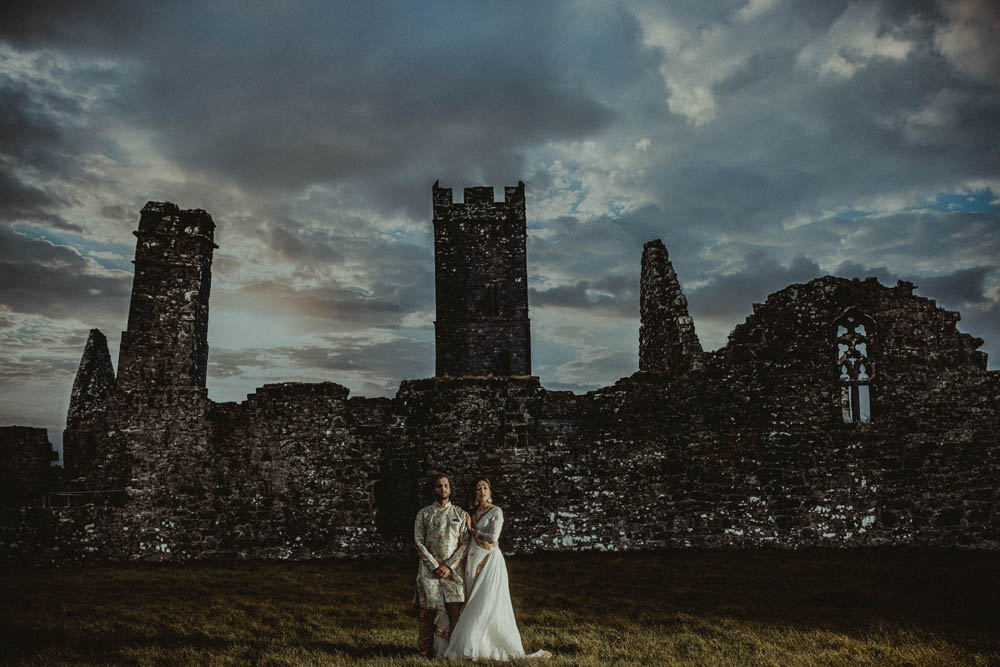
(554, 354)
(536, 281)
(421, 239)
(981, 201)
(616, 209)
(419, 335)
(108, 255)
(853, 214)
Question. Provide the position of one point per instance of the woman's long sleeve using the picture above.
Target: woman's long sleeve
(491, 533)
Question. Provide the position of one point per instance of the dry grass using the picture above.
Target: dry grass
(671, 608)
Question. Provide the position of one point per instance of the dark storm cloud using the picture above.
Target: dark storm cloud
(312, 131)
(607, 296)
(51, 109)
(788, 140)
(608, 251)
(961, 287)
(275, 99)
(25, 203)
(37, 277)
(733, 294)
(95, 25)
(402, 358)
(29, 130)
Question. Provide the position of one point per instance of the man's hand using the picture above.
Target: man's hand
(442, 572)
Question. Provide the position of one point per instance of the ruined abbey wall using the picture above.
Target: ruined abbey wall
(25, 463)
(750, 446)
(481, 283)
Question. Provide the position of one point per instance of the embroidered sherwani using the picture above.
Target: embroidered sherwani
(441, 536)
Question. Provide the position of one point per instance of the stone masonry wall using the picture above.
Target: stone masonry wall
(481, 283)
(667, 340)
(83, 535)
(746, 446)
(25, 464)
(86, 418)
(298, 472)
(166, 344)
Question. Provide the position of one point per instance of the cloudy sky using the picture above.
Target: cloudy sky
(766, 142)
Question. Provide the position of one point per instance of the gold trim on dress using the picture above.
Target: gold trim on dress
(479, 569)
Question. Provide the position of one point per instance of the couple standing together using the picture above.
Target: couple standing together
(461, 564)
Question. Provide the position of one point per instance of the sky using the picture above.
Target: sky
(766, 143)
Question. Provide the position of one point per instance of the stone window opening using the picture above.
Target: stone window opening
(853, 332)
(504, 363)
(493, 300)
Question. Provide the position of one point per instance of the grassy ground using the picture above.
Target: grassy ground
(680, 608)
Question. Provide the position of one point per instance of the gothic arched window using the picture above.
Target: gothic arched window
(854, 333)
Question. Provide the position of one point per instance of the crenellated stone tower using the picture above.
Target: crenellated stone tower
(481, 283)
(166, 344)
(667, 340)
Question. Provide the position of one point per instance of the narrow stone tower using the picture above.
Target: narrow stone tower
(667, 340)
(166, 344)
(481, 283)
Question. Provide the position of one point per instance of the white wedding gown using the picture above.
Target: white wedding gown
(486, 628)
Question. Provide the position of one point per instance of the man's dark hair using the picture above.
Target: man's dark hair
(432, 481)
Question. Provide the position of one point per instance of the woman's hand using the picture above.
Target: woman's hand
(468, 522)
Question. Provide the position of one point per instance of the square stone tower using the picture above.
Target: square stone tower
(481, 283)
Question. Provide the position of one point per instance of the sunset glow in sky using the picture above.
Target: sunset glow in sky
(766, 142)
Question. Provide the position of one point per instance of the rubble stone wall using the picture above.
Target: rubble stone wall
(86, 418)
(166, 343)
(746, 446)
(481, 283)
(25, 464)
(667, 340)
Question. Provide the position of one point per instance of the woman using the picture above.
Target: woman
(486, 629)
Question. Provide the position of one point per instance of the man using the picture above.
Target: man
(440, 533)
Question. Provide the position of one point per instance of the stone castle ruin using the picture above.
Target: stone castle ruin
(840, 413)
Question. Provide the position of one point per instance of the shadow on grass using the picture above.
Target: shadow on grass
(100, 645)
(698, 600)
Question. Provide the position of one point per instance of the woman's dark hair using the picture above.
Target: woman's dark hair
(472, 495)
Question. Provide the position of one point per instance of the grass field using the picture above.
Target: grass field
(679, 608)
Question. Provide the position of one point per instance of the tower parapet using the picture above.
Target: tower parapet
(166, 344)
(481, 283)
(667, 340)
